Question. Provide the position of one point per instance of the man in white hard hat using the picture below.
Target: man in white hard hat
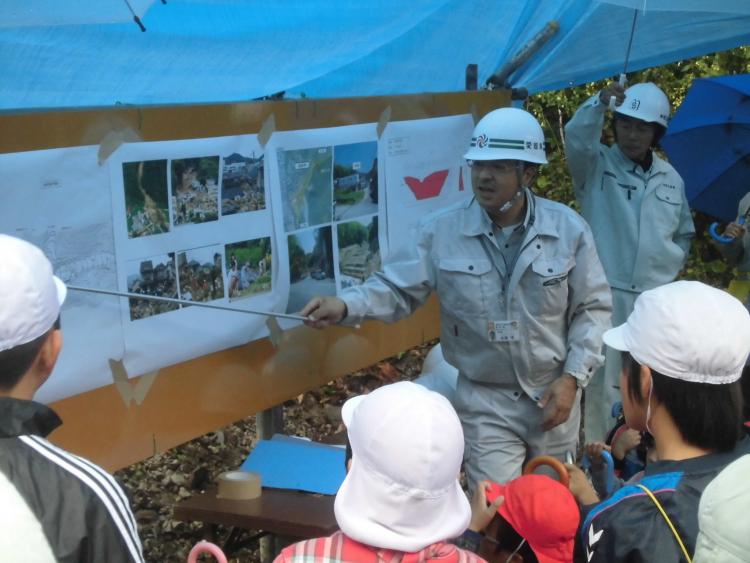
(684, 347)
(523, 302)
(55, 506)
(636, 205)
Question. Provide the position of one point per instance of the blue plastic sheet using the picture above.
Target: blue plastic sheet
(201, 51)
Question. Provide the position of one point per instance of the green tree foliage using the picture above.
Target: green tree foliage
(351, 233)
(341, 171)
(372, 236)
(153, 182)
(297, 264)
(555, 108)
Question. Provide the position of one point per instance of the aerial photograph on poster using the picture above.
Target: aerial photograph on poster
(355, 180)
(310, 266)
(359, 251)
(199, 274)
(306, 187)
(195, 190)
(242, 186)
(248, 267)
(146, 197)
(155, 275)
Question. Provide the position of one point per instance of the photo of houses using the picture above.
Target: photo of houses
(355, 180)
(199, 274)
(155, 275)
(242, 184)
(195, 190)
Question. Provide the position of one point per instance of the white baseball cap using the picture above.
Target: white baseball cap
(402, 489)
(687, 330)
(722, 516)
(30, 296)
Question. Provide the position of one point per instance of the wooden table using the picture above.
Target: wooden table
(290, 514)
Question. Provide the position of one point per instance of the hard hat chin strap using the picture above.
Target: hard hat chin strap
(519, 175)
(508, 204)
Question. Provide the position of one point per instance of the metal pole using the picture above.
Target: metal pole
(185, 302)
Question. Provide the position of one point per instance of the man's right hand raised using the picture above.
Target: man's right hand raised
(613, 89)
(324, 311)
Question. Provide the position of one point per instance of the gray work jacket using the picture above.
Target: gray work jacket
(556, 290)
(641, 245)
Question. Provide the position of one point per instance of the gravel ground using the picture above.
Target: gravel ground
(159, 482)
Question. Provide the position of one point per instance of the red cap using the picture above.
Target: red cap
(542, 511)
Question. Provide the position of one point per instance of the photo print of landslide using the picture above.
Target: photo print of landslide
(359, 250)
(195, 190)
(306, 187)
(355, 180)
(242, 186)
(146, 197)
(199, 274)
(157, 276)
(310, 266)
(248, 267)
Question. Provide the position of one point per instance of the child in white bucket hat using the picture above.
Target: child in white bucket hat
(401, 497)
(81, 512)
(684, 348)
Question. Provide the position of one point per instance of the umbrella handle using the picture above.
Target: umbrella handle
(721, 238)
(554, 463)
(610, 481)
(612, 99)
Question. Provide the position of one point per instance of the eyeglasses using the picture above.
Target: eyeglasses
(494, 167)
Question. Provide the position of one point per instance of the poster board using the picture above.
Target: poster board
(122, 423)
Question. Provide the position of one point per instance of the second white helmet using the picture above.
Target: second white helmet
(508, 134)
(646, 102)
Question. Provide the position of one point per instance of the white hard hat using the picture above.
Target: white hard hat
(646, 102)
(508, 134)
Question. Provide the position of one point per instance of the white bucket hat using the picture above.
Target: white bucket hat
(402, 489)
(722, 516)
(30, 296)
(687, 330)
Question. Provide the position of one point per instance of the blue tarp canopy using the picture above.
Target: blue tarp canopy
(208, 51)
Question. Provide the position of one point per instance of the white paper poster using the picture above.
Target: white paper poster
(326, 200)
(223, 222)
(424, 170)
(59, 200)
(191, 222)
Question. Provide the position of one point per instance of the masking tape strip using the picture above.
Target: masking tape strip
(385, 117)
(267, 129)
(128, 390)
(275, 334)
(474, 113)
(112, 141)
(239, 485)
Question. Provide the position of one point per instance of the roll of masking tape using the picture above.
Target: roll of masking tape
(239, 485)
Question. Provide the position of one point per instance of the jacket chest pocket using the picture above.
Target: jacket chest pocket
(668, 207)
(548, 290)
(464, 285)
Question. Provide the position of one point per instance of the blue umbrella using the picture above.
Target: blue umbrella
(708, 142)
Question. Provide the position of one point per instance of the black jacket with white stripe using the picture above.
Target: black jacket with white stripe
(83, 512)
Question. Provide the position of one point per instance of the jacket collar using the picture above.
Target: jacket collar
(658, 165)
(19, 417)
(475, 221)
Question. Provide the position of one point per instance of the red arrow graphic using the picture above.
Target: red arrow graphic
(429, 187)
